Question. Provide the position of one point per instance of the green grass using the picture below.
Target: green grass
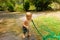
(48, 25)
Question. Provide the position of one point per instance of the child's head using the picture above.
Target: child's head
(28, 16)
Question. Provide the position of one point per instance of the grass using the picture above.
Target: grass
(48, 25)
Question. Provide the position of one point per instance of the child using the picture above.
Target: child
(26, 25)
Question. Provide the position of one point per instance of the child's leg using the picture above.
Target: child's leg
(28, 34)
(23, 35)
(24, 31)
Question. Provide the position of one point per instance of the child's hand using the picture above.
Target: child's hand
(27, 27)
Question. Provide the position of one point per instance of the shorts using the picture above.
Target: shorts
(25, 30)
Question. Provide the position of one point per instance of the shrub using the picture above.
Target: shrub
(38, 5)
(42, 5)
(11, 8)
(1, 8)
(26, 6)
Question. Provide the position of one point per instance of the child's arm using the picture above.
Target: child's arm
(25, 24)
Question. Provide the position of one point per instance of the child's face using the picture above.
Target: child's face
(29, 16)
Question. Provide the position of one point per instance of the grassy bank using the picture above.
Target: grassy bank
(48, 25)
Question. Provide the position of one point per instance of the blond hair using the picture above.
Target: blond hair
(28, 14)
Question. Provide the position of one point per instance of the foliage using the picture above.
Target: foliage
(26, 5)
(10, 4)
(2, 5)
(10, 7)
(7, 5)
(42, 5)
(18, 7)
(1, 8)
(39, 4)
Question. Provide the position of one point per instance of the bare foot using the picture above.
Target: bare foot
(23, 36)
(28, 35)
